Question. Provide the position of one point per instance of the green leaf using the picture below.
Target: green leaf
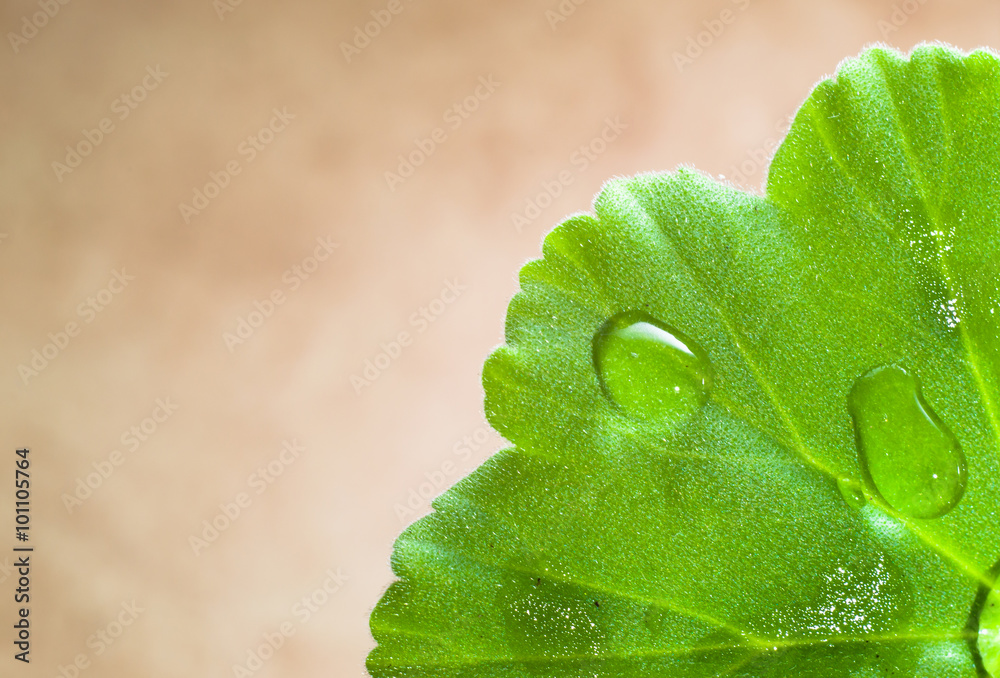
(821, 496)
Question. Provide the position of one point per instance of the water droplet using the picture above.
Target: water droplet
(650, 370)
(851, 493)
(908, 454)
(988, 638)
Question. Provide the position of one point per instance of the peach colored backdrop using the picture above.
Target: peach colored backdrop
(195, 352)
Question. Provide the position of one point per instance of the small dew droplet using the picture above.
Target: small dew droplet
(650, 370)
(851, 493)
(908, 454)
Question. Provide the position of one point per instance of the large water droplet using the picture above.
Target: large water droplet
(908, 454)
(650, 370)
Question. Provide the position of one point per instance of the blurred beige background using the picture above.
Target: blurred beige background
(198, 356)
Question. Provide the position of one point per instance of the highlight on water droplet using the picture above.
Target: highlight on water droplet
(851, 492)
(650, 370)
(907, 453)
